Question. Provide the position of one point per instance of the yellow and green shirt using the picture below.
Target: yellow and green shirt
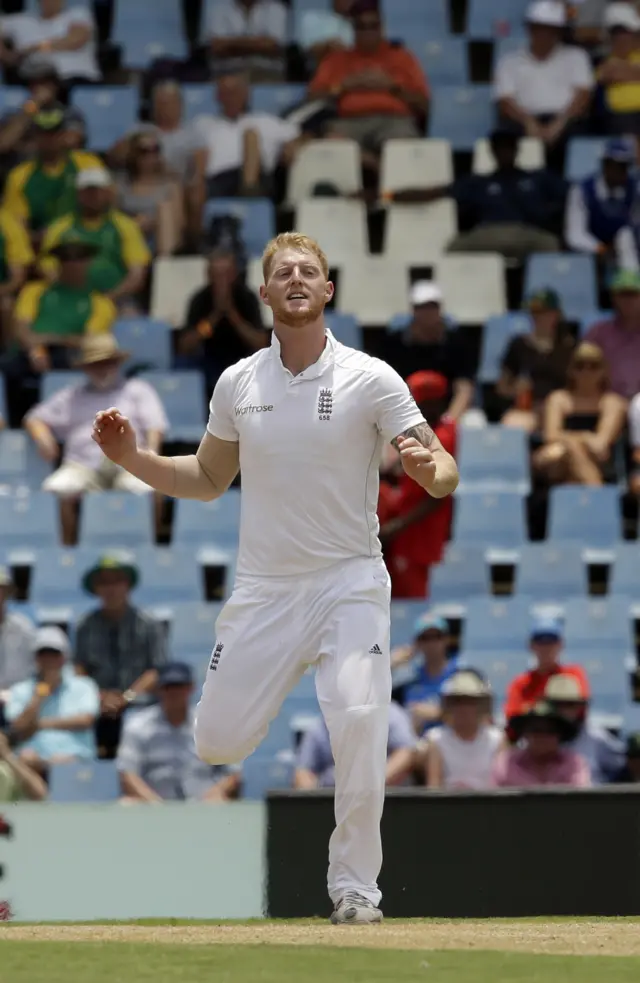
(624, 97)
(60, 310)
(15, 248)
(39, 195)
(119, 240)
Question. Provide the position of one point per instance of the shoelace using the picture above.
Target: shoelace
(353, 898)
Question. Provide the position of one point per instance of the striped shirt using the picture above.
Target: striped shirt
(17, 636)
(115, 653)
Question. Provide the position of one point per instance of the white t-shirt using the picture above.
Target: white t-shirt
(26, 30)
(543, 87)
(265, 19)
(223, 138)
(310, 447)
(467, 764)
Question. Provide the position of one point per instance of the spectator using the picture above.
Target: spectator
(630, 773)
(541, 760)
(52, 715)
(67, 417)
(634, 439)
(157, 758)
(619, 74)
(120, 267)
(152, 196)
(461, 753)
(619, 337)
(16, 256)
(535, 363)
(582, 423)
(430, 344)
(65, 38)
(414, 527)
(599, 207)
(251, 36)
(224, 323)
(603, 752)
(430, 644)
(45, 92)
(117, 644)
(17, 780)
(315, 767)
(39, 191)
(380, 89)
(544, 90)
(242, 147)
(528, 688)
(17, 636)
(325, 31)
(510, 209)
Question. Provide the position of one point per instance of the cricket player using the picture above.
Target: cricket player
(305, 420)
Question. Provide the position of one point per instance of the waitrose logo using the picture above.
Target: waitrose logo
(243, 410)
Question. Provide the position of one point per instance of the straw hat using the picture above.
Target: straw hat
(100, 348)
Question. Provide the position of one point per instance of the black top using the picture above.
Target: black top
(546, 370)
(225, 346)
(450, 356)
(528, 197)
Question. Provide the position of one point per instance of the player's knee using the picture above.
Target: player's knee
(218, 747)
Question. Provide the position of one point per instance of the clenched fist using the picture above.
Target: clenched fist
(115, 435)
(417, 461)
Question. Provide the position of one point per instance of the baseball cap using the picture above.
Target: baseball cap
(620, 149)
(175, 674)
(548, 629)
(562, 688)
(94, 177)
(622, 15)
(427, 385)
(626, 280)
(52, 638)
(467, 684)
(425, 292)
(550, 13)
(430, 622)
(6, 580)
(543, 300)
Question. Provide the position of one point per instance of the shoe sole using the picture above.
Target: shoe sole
(353, 920)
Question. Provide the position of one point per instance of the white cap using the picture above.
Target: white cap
(94, 177)
(425, 292)
(622, 15)
(550, 13)
(52, 638)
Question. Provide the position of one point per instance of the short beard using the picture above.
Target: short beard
(299, 319)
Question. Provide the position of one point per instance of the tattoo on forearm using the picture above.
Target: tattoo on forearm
(422, 433)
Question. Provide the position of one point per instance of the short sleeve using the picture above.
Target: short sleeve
(150, 408)
(130, 757)
(18, 699)
(581, 70)
(634, 421)
(55, 412)
(505, 83)
(221, 423)
(395, 409)
(88, 696)
(28, 301)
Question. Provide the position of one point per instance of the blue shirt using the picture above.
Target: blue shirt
(428, 688)
(75, 695)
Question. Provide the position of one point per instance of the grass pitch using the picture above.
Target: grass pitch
(540, 951)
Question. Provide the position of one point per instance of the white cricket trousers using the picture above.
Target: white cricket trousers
(269, 631)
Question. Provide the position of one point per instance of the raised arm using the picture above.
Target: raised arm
(426, 461)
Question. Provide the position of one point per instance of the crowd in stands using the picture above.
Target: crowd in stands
(471, 168)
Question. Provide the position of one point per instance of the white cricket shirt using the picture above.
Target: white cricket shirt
(310, 449)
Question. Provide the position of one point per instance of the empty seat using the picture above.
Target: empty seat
(262, 773)
(373, 289)
(345, 329)
(147, 339)
(571, 275)
(418, 235)
(415, 164)
(53, 382)
(551, 571)
(461, 114)
(463, 573)
(334, 161)
(487, 19)
(193, 629)
(256, 215)
(588, 515)
(631, 718)
(20, 463)
(444, 60)
(530, 155)
(610, 683)
(494, 625)
(403, 619)
(276, 98)
(168, 575)
(401, 16)
(182, 395)
(198, 99)
(84, 781)
(599, 627)
(144, 38)
(496, 335)
(28, 522)
(12, 98)
(583, 157)
(215, 523)
(114, 519)
(56, 579)
(255, 279)
(588, 320)
(473, 286)
(494, 458)
(175, 279)
(492, 519)
(624, 577)
(110, 111)
(339, 226)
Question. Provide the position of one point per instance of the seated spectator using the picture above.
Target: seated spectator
(249, 35)
(241, 148)
(157, 757)
(67, 418)
(634, 439)
(315, 767)
(461, 753)
(599, 207)
(619, 74)
(510, 209)
(544, 90)
(16, 256)
(630, 772)
(119, 269)
(380, 89)
(541, 758)
(528, 688)
(17, 636)
(535, 363)
(619, 337)
(323, 31)
(603, 752)
(18, 781)
(63, 35)
(39, 191)
(224, 323)
(414, 526)
(117, 645)
(52, 714)
(430, 646)
(582, 423)
(430, 344)
(152, 196)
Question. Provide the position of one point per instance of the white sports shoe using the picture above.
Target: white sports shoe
(355, 909)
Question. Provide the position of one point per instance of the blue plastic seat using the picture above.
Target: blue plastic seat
(12, 97)
(494, 458)
(624, 576)
(303, 695)
(214, 523)
(193, 629)
(20, 463)
(199, 99)
(402, 18)
(3, 400)
(573, 276)
(276, 98)
(182, 395)
(551, 571)
(461, 114)
(257, 216)
(592, 318)
(444, 60)
(116, 519)
(598, 627)
(261, 774)
(463, 573)
(56, 579)
(53, 382)
(487, 19)
(144, 38)
(588, 515)
(168, 575)
(84, 781)
(110, 111)
(631, 718)
(496, 625)
(506, 46)
(492, 519)
(29, 522)
(148, 340)
(346, 329)
(583, 157)
(496, 335)
(403, 618)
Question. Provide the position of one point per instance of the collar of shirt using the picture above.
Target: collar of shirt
(313, 371)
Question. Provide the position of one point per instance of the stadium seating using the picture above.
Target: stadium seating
(148, 340)
(144, 38)
(487, 19)
(403, 17)
(403, 618)
(28, 522)
(256, 215)
(494, 459)
(495, 639)
(415, 164)
(498, 332)
(573, 276)
(552, 571)
(214, 523)
(335, 162)
(461, 114)
(53, 382)
(405, 239)
(495, 520)
(444, 60)
(182, 395)
(175, 280)
(261, 773)
(588, 320)
(589, 515)
(84, 781)
(345, 329)
(20, 464)
(483, 294)
(110, 111)
(192, 630)
(199, 99)
(583, 157)
(56, 580)
(12, 97)
(530, 155)
(624, 577)
(168, 576)
(599, 627)
(339, 226)
(276, 99)
(116, 519)
(373, 289)
(463, 573)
